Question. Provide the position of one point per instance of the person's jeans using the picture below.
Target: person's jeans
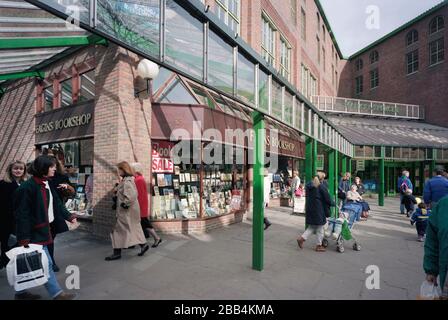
(318, 230)
(52, 285)
(402, 207)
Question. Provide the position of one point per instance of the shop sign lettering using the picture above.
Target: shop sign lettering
(162, 159)
(280, 144)
(70, 122)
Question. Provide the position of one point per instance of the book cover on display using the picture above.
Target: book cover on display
(168, 180)
(161, 180)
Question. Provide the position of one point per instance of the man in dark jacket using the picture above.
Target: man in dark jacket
(317, 210)
(436, 188)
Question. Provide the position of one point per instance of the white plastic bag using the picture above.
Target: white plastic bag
(428, 291)
(27, 267)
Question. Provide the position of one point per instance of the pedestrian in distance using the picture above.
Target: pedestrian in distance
(420, 219)
(36, 206)
(436, 188)
(61, 183)
(409, 202)
(142, 192)
(403, 184)
(318, 203)
(14, 177)
(435, 261)
(127, 231)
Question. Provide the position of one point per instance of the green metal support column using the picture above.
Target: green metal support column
(331, 174)
(381, 186)
(309, 159)
(336, 182)
(314, 157)
(421, 176)
(258, 198)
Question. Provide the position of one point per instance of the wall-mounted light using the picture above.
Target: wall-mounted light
(147, 70)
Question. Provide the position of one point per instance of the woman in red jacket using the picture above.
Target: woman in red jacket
(143, 202)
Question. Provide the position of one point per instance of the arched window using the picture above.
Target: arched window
(374, 56)
(436, 24)
(359, 64)
(411, 37)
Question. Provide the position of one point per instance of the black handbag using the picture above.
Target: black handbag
(341, 195)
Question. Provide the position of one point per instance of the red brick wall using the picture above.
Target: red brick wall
(122, 128)
(427, 87)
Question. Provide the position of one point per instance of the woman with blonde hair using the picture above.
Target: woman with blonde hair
(15, 175)
(317, 210)
(142, 191)
(127, 231)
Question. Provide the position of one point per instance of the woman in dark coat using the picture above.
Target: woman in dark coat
(317, 210)
(15, 175)
(61, 183)
(36, 206)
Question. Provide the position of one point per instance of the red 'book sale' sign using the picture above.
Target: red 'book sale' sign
(162, 160)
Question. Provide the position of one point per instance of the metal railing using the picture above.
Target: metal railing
(368, 107)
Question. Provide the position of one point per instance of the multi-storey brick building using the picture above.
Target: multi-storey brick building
(407, 65)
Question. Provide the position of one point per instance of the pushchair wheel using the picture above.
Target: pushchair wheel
(340, 248)
(356, 247)
(325, 243)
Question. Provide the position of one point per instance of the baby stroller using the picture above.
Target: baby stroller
(340, 229)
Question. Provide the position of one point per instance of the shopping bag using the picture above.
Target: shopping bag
(28, 267)
(428, 291)
(346, 234)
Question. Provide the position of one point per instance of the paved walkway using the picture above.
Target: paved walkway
(217, 265)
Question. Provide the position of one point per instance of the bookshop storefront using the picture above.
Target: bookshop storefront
(67, 133)
(197, 182)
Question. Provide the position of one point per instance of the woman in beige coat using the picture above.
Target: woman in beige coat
(127, 231)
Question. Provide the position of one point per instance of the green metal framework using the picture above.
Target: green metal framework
(50, 42)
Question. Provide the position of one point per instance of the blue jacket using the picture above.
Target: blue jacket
(435, 189)
(344, 185)
(405, 180)
(420, 215)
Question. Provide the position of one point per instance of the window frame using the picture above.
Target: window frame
(224, 6)
(414, 64)
(436, 21)
(438, 51)
(285, 69)
(359, 64)
(359, 85)
(411, 37)
(273, 30)
(374, 81)
(374, 57)
(303, 24)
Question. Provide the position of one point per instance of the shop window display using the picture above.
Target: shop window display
(76, 158)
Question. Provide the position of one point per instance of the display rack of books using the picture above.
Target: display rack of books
(176, 195)
(276, 187)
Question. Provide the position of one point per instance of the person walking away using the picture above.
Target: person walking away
(318, 203)
(436, 188)
(403, 184)
(36, 206)
(420, 219)
(61, 183)
(409, 202)
(142, 194)
(344, 187)
(127, 231)
(435, 261)
(15, 175)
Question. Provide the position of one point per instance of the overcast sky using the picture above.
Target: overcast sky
(355, 29)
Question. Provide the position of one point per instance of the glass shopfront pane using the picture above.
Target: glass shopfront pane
(184, 40)
(87, 91)
(305, 120)
(246, 79)
(263, 91)
(78, 9)
(276, 100)
(66, 93)
(161, 79)
(368, 152)
(298, 115)
(48, 98)
(388, 152)
(134, 22)
(176, 93)
(220, 63)
(289, 100)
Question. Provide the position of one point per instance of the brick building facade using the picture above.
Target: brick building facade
(406, 71)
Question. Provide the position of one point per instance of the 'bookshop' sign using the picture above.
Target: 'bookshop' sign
(162, 161)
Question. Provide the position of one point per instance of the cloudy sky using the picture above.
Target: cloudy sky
(357, 23)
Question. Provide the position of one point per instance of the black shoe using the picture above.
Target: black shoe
(156, 244)
(26, 296)
(143, 251)
(267, 225)
(113, 257)
(55, 268)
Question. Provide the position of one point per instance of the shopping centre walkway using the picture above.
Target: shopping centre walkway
(217, 265)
